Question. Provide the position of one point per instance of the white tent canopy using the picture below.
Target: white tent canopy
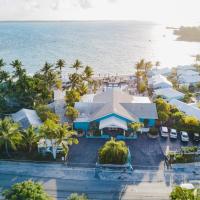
(113, 122)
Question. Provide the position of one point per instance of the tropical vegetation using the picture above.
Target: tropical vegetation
(113, 152)
(75, 196)
(179, 193)
(142, 69)
(59, 135)
(10, 135)
(19, 90)
(27, 190)
(170, 115)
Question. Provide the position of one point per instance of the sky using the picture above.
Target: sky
(170, 12)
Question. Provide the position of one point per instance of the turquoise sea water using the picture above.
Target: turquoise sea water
(107, 46)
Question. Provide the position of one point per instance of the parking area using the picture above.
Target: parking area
(145, 152)
(168, 144)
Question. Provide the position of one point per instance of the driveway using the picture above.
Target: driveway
(145, 152)
(168, 144)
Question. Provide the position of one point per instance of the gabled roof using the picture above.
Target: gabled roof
(159, 81)
(114, 101)
(113, 122)
(142, 110)
(186, 108)
(169, 93)
(26, 117)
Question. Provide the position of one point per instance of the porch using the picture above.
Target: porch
(111, 127)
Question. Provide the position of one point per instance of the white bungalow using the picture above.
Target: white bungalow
(159, 81)
(26, 118)
(188, 80)
(168, 94)
(186, 108)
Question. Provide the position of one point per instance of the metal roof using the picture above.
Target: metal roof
(114, 101)
(26, 117)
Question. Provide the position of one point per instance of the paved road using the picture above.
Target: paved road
(96, 190)
(59, 181)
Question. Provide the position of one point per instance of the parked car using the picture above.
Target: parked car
(188, 186)
(164, 131)
(173, 134)
(184, 136)
(196, 137)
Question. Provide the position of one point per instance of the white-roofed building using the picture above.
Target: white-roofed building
(185, 67)
(182, 72)
(113, 110)
(188, 80)
(159, 70)
(158, 82)
(26, 118)
(186, 108)
(168, 94)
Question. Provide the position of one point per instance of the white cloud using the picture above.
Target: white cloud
(166, 11)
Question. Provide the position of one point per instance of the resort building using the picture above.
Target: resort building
(111, 111)
(26, 118)
(187, 80)
(168, 94)
(188, 109)
(159, 82)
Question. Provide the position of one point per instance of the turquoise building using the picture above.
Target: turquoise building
(110, 112)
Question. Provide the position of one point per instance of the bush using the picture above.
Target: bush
(113, 152)
(179, 193)
(191, 149)
(153, 131)
(181, 158)
(27, 190)
(75, 196)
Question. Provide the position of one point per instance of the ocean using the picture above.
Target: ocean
(108, 46)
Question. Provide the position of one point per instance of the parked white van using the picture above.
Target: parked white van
(164, 131)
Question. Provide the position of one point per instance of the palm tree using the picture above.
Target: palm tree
(47, 68)
(139, 67)
(82, 89)
(147, 68)
(2, 63)
(29, 138)
(77, 65)
(75, 80)
(136, 126)
(88, 72)
(9, 134)
(72, 96)
(60, 64)
(3, 74)
(19, 71)
(65, 137)
(157, 64)
(71, 113)
(58, 135)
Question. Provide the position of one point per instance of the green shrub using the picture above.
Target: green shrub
(44, 112)
(75, 196)
(179, 193)
(189, 149)
(113, 152)
(27, 190)
(181, 158)
(153, 131)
